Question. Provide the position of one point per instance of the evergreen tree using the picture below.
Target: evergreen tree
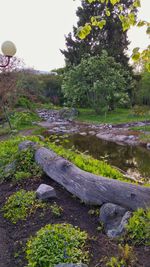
(111, 37)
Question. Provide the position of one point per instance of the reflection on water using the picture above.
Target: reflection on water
(133, 160)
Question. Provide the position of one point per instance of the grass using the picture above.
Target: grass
(145, 138)
(113, 117)
(145, 128)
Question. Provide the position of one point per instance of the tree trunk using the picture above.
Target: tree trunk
(90, 188)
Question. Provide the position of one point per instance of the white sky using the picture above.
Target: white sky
(38, 27)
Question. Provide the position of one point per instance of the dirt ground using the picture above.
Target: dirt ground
(13, 237)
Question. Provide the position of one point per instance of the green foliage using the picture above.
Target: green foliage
(125, 258)
(56, 210)
(143, 92)
(24, 163)
(52, 88)
(138, 228)
(97, 28)
(145, 128)
(20, 205)
(20, 120)
(57, 243)
(24, 102)
(127, 17)
(99, 82)
(115, 262)
(113, 117)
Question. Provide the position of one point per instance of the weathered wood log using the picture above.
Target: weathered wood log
(90, 188)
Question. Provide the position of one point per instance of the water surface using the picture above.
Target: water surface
(135, 160)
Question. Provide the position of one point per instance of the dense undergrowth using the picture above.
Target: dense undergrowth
(19, 205)
(57, 243)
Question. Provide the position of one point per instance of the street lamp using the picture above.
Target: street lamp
(9, 50)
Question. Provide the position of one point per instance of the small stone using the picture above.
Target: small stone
(83, 134)
(45, 191)
(92, 132)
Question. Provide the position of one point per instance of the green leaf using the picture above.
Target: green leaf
(113, 2)
(136, 56)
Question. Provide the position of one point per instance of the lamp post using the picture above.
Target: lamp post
(9, 50)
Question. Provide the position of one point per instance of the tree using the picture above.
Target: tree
(143, 90)
(52, 87)
(98, 82)
(8, 80)
(111, 38)
(127, 19)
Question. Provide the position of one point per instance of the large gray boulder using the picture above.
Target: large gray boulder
(120, 229)
(71, 265)
(114, 219)
(45, 191)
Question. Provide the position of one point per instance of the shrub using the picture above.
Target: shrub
(24, 102)
(97, 82)
(138, 228)
(20, 205)
(21, 119)
(56, 243)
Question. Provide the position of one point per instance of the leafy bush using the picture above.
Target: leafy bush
(138, 228)
(21, 119)
(24, 102)
(56, 243)
(20, 205)
(97, 82)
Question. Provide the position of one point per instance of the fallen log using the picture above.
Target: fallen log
(90, 188)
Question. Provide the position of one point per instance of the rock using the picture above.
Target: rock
(9, 168)
(92, 132)
(67, 113)
(71, 265)
(45, 191)
(26, 144)
(121, 227)
(114, 218)
(83, 134)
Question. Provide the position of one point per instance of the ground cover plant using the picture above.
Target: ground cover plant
(138, 227)
(57, 243)
(113, 117)
(16, 165)
(19, 205)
